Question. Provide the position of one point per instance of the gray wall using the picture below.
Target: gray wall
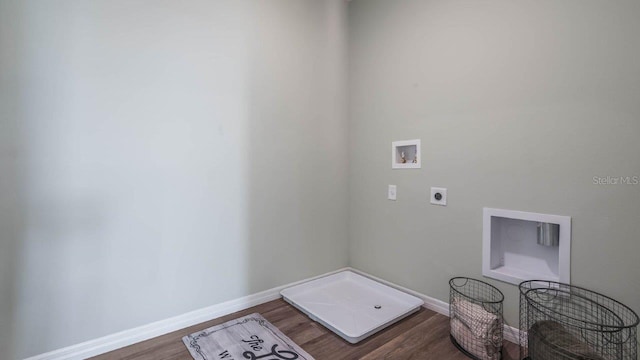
(10, 207)
(519, 104)
(157, 157)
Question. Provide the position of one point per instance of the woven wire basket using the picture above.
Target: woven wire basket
(562, 322)
(476, 318)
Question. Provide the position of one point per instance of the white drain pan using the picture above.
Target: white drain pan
(351, 305)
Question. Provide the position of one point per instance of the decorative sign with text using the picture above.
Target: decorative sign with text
(248, 338)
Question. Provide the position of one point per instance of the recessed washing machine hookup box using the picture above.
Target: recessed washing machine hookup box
(405, 154)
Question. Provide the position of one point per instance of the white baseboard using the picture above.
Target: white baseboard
(132, 336)
(512, 334)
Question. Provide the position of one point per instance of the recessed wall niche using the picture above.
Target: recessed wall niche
(405, 154)
(519, 246)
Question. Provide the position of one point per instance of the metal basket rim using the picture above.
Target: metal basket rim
(452, 286)
(524, 293)
(563, 318)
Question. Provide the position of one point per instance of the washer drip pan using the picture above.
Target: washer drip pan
(351, 305)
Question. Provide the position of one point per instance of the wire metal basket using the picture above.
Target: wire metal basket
(562, 322)
(475, 309)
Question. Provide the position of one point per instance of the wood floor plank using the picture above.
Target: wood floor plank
(421, 336)
(425, 341)
(295, 324)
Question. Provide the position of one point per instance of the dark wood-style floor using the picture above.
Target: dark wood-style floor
(423, 335)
